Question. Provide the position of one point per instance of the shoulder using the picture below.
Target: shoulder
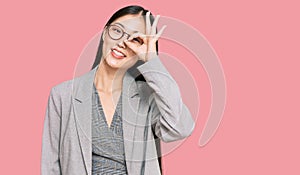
(68, 85)
(61, 91)
(62, 86)
(64, 89)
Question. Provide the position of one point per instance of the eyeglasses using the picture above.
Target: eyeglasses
(115, 32)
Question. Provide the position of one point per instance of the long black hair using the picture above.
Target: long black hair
(133, 10)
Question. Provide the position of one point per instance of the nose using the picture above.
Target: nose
(121, 44)
(122, 39)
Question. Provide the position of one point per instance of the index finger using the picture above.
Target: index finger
(148, 24)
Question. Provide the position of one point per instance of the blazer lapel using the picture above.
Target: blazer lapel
(82, 93)
(130, 107)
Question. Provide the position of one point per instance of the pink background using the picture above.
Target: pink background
(257, 43)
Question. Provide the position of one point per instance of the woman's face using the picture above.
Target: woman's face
(115, 52)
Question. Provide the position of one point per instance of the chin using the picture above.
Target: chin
(115, 63)
(112, 62)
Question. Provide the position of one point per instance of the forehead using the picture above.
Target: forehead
(132, 23)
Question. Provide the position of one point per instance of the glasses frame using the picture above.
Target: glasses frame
(123, 32)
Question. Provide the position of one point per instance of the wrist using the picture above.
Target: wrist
(151, 55)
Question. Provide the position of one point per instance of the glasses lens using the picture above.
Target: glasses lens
(115, 32)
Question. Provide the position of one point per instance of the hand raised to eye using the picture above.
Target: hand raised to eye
(144, 45)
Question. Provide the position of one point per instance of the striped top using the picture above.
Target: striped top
(108, 155)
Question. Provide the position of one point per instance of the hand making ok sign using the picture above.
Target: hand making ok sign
(146, 50)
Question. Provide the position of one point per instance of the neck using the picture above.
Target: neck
(108, 79)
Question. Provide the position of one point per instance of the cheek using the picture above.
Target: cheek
(107, 45)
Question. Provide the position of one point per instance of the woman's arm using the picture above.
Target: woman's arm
(51, 136)
(171, 119)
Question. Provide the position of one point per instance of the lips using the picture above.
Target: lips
(117, 53)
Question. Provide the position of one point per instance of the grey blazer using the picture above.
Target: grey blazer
(152, 111)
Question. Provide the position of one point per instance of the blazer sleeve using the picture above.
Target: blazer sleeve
(170, 118)
(50, 164)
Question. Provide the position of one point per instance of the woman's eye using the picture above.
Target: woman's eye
(117, 30)
(137, 40)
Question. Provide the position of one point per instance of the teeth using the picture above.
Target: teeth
(118, 53)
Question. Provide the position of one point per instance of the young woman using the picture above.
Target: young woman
(111, 120)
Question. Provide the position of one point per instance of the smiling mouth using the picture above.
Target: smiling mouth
(117, 54)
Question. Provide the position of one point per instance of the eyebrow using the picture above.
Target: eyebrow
(125, 27)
